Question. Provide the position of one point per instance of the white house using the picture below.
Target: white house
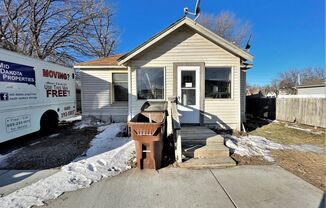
(312, 87)
(185, 60)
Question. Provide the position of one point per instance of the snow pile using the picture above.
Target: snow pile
(251, 146)
(260, 146)
(107, 157)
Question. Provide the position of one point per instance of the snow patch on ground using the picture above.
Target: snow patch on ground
(76, 118)
(307, 148)
(81, 125)
(3, 158)
(304, 129)
(87, 123)
(251, 146)
(260, 146)
(107, 157)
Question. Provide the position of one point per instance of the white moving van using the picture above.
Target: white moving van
(34, 95)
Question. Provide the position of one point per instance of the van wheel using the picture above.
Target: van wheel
(49, 122)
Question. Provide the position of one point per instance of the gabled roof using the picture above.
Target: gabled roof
(111, 61)
(198, 28)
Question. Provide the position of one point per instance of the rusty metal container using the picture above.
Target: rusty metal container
(148, 129)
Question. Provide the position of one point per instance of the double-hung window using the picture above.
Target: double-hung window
(150, 83)
(218, 83)
(120, 86)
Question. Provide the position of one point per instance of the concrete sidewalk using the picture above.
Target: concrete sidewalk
(242, 186)
(12, 180)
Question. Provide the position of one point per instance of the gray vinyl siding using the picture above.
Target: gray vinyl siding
(184, 45)
(312, 91)
(243, 95)
(96, 93)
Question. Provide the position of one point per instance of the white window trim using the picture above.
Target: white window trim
(232, 84)
(164, 83)
(196, 69)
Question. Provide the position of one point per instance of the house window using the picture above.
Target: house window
(218, 82)
(150, 83)
(120, 86)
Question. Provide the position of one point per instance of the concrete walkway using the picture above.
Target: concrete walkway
(12, 180)
(243, 186)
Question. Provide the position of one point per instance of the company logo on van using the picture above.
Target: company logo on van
(11, 72)
(4, 96)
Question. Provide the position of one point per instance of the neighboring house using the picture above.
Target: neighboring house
(104, 89)
(312, 87)
(285, 91)
(185, 60)
(271, 95)
(254, 93)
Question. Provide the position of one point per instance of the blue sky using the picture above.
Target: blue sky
(286, 33)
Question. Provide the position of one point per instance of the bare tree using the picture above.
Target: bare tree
(13, 25)
(227, 26)
(99, 39)
(288, 80)
(52, 29)
(273, 87)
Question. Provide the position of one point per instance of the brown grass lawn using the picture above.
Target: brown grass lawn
(279, 133)
(309, 166)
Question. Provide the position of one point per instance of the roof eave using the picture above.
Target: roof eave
(100, 66)
(310, 86)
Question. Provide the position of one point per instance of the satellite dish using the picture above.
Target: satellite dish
(197, 10)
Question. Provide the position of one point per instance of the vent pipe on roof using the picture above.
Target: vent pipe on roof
(197, 10)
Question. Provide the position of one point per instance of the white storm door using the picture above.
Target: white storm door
(189, 94)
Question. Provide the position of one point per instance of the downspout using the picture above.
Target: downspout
(129, 94)
(239, 98)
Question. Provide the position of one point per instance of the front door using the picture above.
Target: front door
(188, 94)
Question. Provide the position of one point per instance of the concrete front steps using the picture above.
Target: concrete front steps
(205, 148)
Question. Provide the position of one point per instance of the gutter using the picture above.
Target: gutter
(100, 67)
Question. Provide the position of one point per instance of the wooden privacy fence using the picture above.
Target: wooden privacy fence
(309, 111)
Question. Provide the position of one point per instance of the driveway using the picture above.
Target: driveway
(242, 186)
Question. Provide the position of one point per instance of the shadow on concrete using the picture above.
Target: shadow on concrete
(323, 202)
(14, 176)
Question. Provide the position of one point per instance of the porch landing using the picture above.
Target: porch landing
(203, 148)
